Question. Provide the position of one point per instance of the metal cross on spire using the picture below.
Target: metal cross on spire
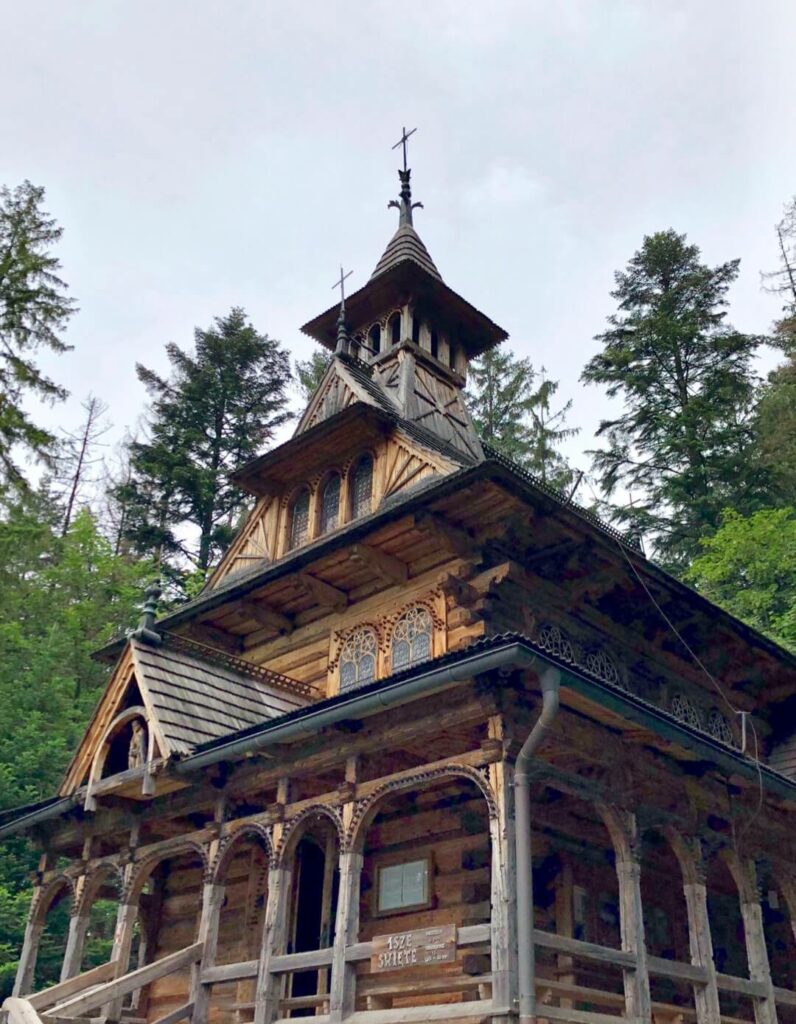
(340, 283)
(402, 142)
(342, 334)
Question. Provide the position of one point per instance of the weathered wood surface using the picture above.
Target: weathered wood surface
(57, 993)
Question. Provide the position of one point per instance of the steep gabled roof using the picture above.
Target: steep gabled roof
(191, 695)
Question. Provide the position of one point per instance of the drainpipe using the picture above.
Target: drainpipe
(550, 680)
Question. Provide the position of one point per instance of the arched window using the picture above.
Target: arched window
(358, 660)
(374, 339)
(362, 487)
(395, 328)
(330, 504)
(300, 518)
(411, 638)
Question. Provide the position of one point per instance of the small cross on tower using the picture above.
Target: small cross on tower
(402, 142)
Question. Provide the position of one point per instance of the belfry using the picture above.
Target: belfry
(431, 744)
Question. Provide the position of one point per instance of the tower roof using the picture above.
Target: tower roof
(406, 244)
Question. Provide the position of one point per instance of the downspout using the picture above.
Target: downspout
(550, 680)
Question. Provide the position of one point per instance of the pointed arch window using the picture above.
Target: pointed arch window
(362, 487)
(330, 504)
(358, 660)
(411, 638)
(300, 518)
(374, 339)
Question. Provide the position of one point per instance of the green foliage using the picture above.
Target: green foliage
(683, 442)
(514, 414)
(220, 407)
(749, 567)
(309, 372)
(34, 310)
(60, 598)
(783, 280)
(775, 430)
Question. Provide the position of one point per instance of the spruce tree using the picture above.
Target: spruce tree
(219, 408)
(34, 311)
(682, 443)
(514, 414)
(309, 372)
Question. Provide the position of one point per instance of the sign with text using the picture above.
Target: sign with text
(414, 948)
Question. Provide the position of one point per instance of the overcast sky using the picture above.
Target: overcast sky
(203, 154)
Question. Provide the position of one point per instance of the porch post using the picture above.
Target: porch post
(631, 916)
(267, 991)
(75, 939)
(700, 941)
(343, 986)
(756, 951)
(30, 948)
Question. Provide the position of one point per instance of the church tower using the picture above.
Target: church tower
(410, 334)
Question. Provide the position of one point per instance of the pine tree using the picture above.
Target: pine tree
(683, 442)
(34, 310)
(513, 414)
(221, 405)
(775, 430)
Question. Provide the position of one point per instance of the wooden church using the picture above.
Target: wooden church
(433, 744)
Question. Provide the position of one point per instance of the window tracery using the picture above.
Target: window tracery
(330, 504)
(358, 659)
(411, 638)
(603, 667)
(362, 487)
(719, 728)
(684, 710)
(300, 518)
(555, 641)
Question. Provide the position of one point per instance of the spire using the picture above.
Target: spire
(405, 244)
(342, 333)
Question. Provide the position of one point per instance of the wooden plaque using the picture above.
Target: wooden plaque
(413, 948)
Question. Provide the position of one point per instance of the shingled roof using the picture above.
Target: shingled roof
(406, 244)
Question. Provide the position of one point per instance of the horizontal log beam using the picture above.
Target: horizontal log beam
(322, 593)
(675, 969)
(57, 993)
(744, 986)
(389, 568)
(586, 950)
(230, 972)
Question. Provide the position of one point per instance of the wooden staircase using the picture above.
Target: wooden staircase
(94, 997)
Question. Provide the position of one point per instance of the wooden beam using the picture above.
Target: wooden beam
(391, 569)
(214, 637)
(323, 593)
(454, 538)
(267, 617)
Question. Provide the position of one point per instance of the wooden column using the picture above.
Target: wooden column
(23, 983)
(275, 926)
(342, 994)
(700, 941)
(756, 951)
(503, 881)
(75, 939)
(212, 902)
(266, 997)
(624, 832)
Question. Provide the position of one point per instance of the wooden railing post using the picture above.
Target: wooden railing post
(503, 880)
(343, 987)
(212, 902)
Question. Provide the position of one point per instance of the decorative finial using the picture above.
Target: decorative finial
(405, 205)
(342, 334)
(146, 624)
